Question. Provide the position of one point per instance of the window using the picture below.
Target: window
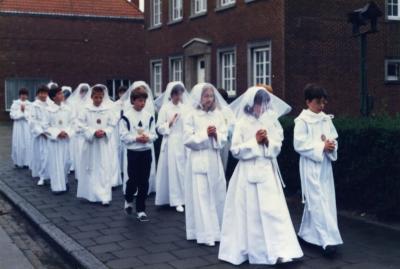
(156, 13)
(156, 77)
(114, 84)
(392, 70)
(393, 9)
(12, 87)
(199, 6)
(260, 63)
(176, 69)
(227, 71)
(176, 12)
(223, 3)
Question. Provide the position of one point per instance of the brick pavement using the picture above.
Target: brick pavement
(119, 241)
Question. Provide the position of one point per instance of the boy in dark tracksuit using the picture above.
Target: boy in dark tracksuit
(138, 134)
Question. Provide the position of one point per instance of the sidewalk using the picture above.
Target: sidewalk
(101, 237)
(10, 255)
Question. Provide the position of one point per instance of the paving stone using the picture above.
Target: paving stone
(125, 263)
(120, 241)
(92, 227)
(189, 263)
(157, 258)
(130, 252)
(156, 266)
(109, 238)
(84, 235)
(190, 252)
(104, 248)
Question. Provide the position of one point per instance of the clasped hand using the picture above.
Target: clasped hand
(261, 137)
(212, 131)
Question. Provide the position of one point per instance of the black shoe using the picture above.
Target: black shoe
(330, 251)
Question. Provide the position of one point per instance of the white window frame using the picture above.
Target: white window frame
(255, 77)
(224, 3)
(156, 76)
(391, 5)
(11, 92)
(174, 74)
(227, 70)
(156, 13)
(392, 78)
(176, 10)
(199, 6)
(114, 88)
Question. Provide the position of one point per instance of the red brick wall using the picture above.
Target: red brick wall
(320, 48)
(232, 27)
(69, 50)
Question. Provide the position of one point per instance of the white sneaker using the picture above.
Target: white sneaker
(40, 182)
(210, 244)
(180, 209)
(128, 208)
(142, 217)
(126, 205)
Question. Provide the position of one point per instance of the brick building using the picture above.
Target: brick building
(68, 41)
(230, 43)
(237, 43)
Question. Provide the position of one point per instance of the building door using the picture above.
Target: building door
(201, 69)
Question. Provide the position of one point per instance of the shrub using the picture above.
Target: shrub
(367, 173)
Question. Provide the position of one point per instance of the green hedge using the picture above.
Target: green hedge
(367, 173)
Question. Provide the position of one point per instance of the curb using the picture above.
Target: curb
(82, 257)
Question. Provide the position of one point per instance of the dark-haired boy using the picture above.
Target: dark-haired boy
(97, 122)
(138, 134)
(21, 136)
(59, 131)
(315, 139)
(39, 139)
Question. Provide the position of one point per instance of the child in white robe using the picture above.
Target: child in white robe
(77, 102)
(205, 134)
(67, 91)
(38, 126)
(315, 139)
(59, 131)
(119, 110)
(97, 123)
(171, 163)
(230, 123)
(21, 135)
(257, 226)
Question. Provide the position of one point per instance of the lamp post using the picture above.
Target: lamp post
(359, 18)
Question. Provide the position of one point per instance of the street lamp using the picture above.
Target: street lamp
(360, 19)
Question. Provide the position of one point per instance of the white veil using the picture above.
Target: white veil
(68, 90)
(126, 97)
(166, 96)
(52, 84)
(197, 91)
(75, 100)
(274, 104)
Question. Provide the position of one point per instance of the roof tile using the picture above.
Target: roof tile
(103, 8)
